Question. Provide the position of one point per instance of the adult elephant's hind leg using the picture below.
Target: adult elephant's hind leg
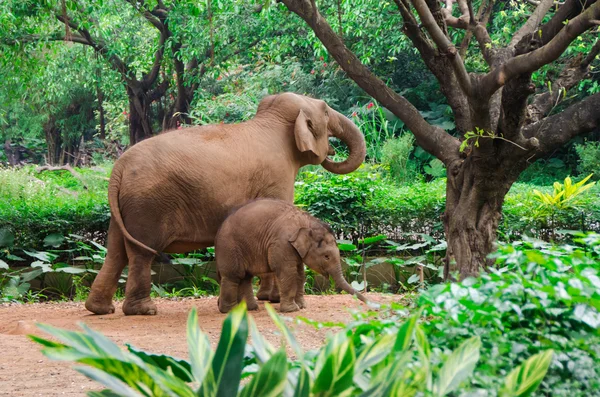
(139, 283)
(265, 287)
(104, 287)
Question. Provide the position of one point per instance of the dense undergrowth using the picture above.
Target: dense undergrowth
(364, 203)
(530, 323)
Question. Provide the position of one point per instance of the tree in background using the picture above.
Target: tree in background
(504, 120)
(160, 49)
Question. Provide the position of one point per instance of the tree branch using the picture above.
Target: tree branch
(569, 10)
(533, 60)
(461, 22)
(444, 44)
(432, 139)
(572, 74)
(532, 23)
(555, 131)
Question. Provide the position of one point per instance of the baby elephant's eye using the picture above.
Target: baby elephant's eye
(326, 257)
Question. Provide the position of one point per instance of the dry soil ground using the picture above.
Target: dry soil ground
(24, 371)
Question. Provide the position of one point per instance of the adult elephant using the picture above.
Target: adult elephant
(170, 193)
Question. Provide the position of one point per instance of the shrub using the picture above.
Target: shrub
(589, 158)
(396, 152)
(33, 206)
(398, 363)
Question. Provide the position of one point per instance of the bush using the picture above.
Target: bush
(589, 158)
(33, 206)
(396, 152)
(399, 363)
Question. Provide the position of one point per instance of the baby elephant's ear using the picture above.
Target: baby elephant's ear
(301, 241)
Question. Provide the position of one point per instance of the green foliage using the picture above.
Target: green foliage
(565, 196)
(589, 158)
(33, 206)
(395, 155)
(400, 363)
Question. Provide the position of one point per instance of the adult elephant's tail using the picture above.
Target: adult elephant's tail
(115, 211)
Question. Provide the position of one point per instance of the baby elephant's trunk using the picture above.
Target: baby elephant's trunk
(341, 282)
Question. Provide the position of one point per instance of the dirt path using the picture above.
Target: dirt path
(24, 371)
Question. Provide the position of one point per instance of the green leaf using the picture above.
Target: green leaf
(457, 367)
(525, 379)
(374, 353)
(54, 240)
(41, 255)
(3, 265)
(302, 388)
(270, 380)
(116, 387)
(262, 348)
(7, 238)
(228, 359)
(336, 373)
(346, 247)
(372, 240)
(200, 352)
(405, 334)
(291, 339)
(180, 368)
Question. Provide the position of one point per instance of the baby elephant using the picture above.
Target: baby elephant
(273, 236)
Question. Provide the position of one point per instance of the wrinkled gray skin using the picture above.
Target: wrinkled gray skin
(171, 193)
(273, 236)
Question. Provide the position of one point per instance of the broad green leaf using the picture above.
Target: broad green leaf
(346, 247)
(374, 353)
(200, 352)
(302, 383)
(228, 359)
(54, 240)
(457, 367)
(335, 375)
(262, 348)
(3, 265)
(525, 379)
(41, 255)
(115, 386)
(7, 238)
(180, 368)
(289, 336)
(270, 379)
(372, 240)
(405, 334)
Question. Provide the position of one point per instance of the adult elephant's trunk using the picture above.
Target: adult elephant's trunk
(347, 132)
(341, 282)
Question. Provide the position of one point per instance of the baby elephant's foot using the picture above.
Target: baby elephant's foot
(288, 307)
(252, 305)
(225, 307)
(263, 295)
(98, 307)
(274, 297)
(142, 307)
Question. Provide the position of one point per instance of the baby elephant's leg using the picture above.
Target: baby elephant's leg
(300, 290)
(246, 293)
(288, 283)
(228, 296)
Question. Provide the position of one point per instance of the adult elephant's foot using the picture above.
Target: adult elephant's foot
(99, 306)
(301, 303)
(143, 307)
(288, 307)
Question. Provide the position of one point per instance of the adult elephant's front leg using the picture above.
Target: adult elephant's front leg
(267, 290)
(139, 283)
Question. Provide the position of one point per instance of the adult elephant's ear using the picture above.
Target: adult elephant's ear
(305, 139)
(301, 241)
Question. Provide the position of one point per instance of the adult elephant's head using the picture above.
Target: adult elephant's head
(314, 123)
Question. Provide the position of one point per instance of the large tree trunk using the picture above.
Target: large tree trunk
(475, 191)
(140, 125)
